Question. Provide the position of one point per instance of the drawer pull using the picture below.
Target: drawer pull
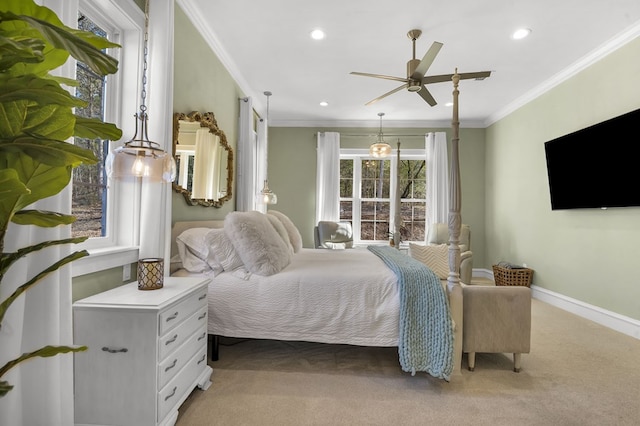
(114, 351)
(202, 337)
(175, 388)
(173, 339)
(175, 361)
(203, 358)
(202, 297)
(204, 314)
(172, 317)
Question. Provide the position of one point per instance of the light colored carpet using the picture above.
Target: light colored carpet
(578, 373)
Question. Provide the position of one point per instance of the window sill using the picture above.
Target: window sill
(104, 258)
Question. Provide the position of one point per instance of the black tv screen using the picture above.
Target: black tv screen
(596, 167)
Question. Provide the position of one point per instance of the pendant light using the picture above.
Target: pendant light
(267, 196)
(380, 148)
(140, 157)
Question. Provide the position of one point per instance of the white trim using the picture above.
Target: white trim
(605, 49)
(609, 319)
(408, 124)
(198, 19)
(102, 259)
(617, 322)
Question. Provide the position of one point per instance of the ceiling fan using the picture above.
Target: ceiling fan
(416, 80)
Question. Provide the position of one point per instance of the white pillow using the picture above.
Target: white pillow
(280, 229)
(193, 249)
(222, 249)
(435, 256)
(256, 241)
(294, 234)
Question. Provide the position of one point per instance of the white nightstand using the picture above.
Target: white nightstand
(147, 352)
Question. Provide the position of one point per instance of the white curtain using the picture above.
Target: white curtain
(246, 174)
(261, 162)
(43, 387)
(206, 179)
(437, 178)
(328, 177)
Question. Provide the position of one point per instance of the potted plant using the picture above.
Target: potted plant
(38, 118)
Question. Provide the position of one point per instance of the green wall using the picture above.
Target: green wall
(202, 83)
(292, 173)
(588, 254)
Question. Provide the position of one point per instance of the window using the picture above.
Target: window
(89, 201)
(105, 213)
(367, 195)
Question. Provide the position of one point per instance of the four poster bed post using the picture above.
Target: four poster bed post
(455, 221)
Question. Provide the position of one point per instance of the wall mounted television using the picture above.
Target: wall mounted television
(596, 167)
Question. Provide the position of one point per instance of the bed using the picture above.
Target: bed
(326, 296)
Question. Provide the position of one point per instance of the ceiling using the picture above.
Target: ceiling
(266, 46)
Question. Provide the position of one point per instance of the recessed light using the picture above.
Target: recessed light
(324, 103)
(521, 33)
(317, 34)
(449, 104)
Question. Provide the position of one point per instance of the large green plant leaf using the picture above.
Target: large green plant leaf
(10, 185)
(77, 43)
(48, 151)
(42, 218)
(42, 180)
(92, 128)
(44, 352)
(22, 117)
(36, 89)
(13, 52)
(8, 259)
(35, 280)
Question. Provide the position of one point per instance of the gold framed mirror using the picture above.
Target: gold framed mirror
(204, 160)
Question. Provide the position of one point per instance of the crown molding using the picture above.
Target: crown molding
(408, 124)
(596, 55)
(196, 17)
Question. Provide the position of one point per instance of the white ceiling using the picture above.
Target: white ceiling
(266, 46)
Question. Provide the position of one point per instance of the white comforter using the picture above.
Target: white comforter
(327, 296)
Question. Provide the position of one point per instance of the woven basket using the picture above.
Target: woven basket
(512, 276)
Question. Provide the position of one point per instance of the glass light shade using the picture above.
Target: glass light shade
(151, 164)
(380, 149)
(266, 196)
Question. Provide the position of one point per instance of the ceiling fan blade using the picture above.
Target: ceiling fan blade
(386, 77)
(426, 61)
(463, 76)
(426, 95)
(397, 89)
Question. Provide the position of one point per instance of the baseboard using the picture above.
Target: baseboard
(612, 320)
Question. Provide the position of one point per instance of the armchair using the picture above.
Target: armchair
(333, 235)
(438, 233)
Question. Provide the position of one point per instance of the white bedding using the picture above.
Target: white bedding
(326, 296)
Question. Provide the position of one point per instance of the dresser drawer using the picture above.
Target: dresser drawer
(174, 363)
(174, 315)
(181, 385)
(174, 338)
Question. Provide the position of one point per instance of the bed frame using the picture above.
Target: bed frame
(453, 286)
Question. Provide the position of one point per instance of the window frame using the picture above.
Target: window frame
(124, 22)
(359, 156)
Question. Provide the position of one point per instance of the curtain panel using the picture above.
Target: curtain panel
(437, 178)
(328, 177)
(246, 159)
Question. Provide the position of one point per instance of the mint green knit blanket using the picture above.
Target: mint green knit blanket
(426, 329)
